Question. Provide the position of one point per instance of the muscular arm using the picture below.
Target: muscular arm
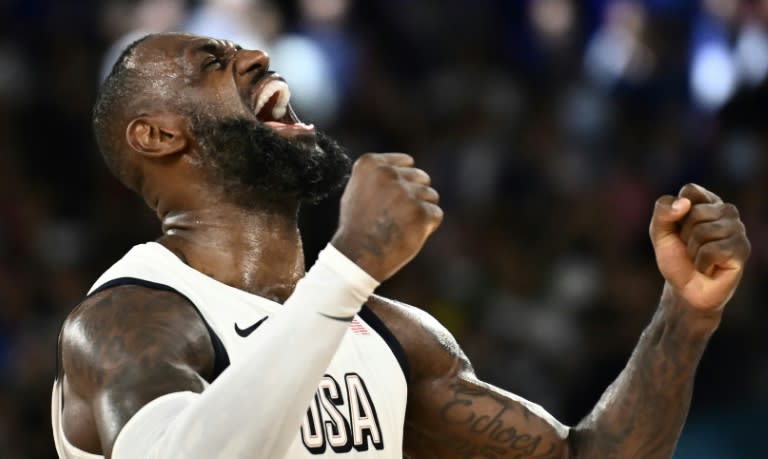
(700, 246)
(452, 414)
(139, 371)
(642, 413)
(145, 391)
(123, 348)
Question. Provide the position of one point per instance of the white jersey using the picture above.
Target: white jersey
(359, 406)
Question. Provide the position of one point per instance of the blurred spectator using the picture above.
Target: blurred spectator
(729, 48)
(618, 51)
(126, 23)
(234, 20)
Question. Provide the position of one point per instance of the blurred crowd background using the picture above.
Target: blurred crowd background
(549, 127)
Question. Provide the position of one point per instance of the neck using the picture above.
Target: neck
(256, 250)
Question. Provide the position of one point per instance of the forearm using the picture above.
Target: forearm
(255, 407)
(642, 413)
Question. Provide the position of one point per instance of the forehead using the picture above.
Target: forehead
(171, 65)
(175, 46)
(169, 60)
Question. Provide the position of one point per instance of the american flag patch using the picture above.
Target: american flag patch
(358, 328)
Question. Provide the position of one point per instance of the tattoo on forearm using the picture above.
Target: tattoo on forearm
(495, 438)
(641, 414)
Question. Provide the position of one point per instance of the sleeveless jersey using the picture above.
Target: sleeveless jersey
(359, 407)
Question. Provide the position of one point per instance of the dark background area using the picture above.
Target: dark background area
(549, 127)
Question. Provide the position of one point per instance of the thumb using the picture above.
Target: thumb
(667, 211)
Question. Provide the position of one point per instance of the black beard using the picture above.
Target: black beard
(255, 166)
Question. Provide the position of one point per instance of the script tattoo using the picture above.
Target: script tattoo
(494, 437)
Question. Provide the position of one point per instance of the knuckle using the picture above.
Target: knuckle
(696, 231)
(721, 249)
(437, 218)
(717, 227)
(709, 249)
(741, 229)
(698, 212)
(687, 189)
(370, 158)
(425, 192)
(747, 248)
(386, 171)
(730, 210)
(420, 210)
(439, 214)
(366, 158)
(434, 214)
(363, 161)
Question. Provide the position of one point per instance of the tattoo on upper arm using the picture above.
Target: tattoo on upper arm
(130, 328)
(451, 414)
(481, 413)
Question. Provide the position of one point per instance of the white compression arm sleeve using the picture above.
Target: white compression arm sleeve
(255, 407)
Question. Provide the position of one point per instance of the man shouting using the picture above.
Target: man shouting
(213, 341)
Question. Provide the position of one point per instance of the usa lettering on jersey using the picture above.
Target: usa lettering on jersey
(329, 424)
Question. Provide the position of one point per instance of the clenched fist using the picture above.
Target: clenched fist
(701, 246)
(387, 212)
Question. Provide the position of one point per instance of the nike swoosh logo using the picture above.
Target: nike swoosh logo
(244, 332)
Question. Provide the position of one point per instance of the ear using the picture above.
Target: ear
(157, 135)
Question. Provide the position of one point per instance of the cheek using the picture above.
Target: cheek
(216, 99)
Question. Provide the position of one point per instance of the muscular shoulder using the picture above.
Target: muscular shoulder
(431, 349)
(115, 331)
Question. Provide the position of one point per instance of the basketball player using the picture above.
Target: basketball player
(213, 342)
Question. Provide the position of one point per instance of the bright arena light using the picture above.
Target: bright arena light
(713, 76)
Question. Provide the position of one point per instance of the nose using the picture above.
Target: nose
(248, 61)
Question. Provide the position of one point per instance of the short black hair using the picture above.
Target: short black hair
(122, 85)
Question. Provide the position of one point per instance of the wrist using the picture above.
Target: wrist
(355, 252)
(687, 319)
(352, 273)
(334, 286)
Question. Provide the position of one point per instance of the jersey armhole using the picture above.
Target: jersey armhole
(394, 345)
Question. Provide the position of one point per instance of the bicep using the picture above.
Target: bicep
(462, 417)
(451, 413)
(129, 347)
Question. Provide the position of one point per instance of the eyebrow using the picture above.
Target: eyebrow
(212, 48)
(216, 48)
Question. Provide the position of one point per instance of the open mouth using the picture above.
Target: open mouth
(273, 109)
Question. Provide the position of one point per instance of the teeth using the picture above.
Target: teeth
(281, 107)
(282, 100)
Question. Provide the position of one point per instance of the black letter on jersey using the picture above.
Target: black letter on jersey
(362, 414)
(337, 428)
(312, 429)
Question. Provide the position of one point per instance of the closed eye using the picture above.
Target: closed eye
(212, 58)
(212, 63)
(216, 56)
